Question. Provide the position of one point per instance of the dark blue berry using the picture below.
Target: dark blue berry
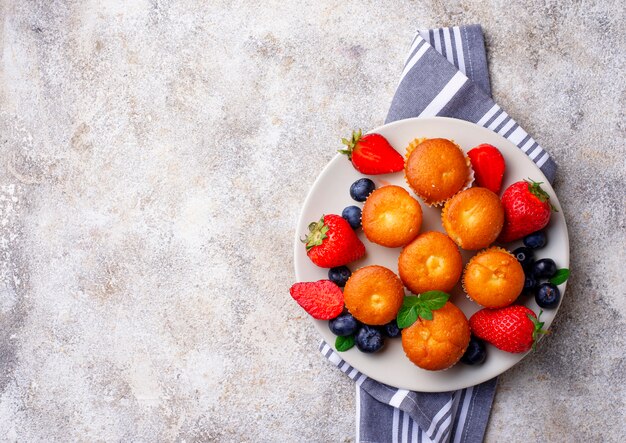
(361, 188)
(352, 214)
(369, 339)
(536, 240)
(529, 284)
(524, 256)
(391, 329)
(544, 268)
(343, 325)
(475, 354)
(548, 296)
(339, 275)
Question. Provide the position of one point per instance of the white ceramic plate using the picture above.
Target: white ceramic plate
(330, 194)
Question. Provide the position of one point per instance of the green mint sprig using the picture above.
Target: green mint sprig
(421, 306)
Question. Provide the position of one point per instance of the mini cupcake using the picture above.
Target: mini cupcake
(473, 218)
(437, 169)
(439, 343)
(373, 295)
(493, 278)
(391, 217)
(430, 262)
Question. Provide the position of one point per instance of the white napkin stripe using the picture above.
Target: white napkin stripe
(398, 397)
(446, 94)
(485, 118)
(394, 426)
(544, 158)
(420, 52)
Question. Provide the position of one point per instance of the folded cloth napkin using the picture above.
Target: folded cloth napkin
(446, 75)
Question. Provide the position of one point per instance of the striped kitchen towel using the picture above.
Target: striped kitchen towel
(445, 74)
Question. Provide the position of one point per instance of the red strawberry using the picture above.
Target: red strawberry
(526, 210)
(372, 154)
(322, 299)
(488, 166)
(332, 242)
(511, 329)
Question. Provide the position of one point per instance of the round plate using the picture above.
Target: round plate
(330, 194)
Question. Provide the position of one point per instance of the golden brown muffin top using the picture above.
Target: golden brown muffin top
(493, 278)
(430, 262)
(473, 218)
(437, 169)
(438, 343)
(374, 295)
(391, 217)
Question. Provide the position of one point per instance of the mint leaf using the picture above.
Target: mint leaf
(561, 276)
(407, 315)
(433, 300)
(426, 314)
(410, 301)
(342, 344)
(420, 306)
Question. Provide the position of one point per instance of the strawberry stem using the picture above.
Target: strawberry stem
(351, 144)
(316, 235)
(538, 328)
(536, 189)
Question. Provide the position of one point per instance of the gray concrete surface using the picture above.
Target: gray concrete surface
(154, 158)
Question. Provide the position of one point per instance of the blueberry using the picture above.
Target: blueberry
(475, 354)
(339, 275)
(524, 256)
(529, 284)
(369, 339)
(352, 214)
(536, 240)
(544, 268)
(391, 329)
(548, 296)
(361, 188)
(343, 325)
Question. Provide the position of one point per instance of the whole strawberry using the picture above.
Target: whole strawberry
(322, 299)
(511, 329)
(488, 165)
(332, 242)
(372, 154)
(526, 210)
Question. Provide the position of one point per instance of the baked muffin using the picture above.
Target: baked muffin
(437, 169)
(493, 278)
(473, 218)
(430, 262)
(373, 295)
(438, 343)
(391, 217)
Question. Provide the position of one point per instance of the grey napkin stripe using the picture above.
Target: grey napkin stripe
(457, 85)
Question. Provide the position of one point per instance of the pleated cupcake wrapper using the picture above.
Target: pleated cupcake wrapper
(468, 183)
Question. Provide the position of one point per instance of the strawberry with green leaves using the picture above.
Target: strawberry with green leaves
(527, 209)
(331, 242)
(372, 154)
(512, 329)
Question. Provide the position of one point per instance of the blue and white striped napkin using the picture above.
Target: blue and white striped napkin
(446, 75)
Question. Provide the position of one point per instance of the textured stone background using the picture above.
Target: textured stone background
(154, 157)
